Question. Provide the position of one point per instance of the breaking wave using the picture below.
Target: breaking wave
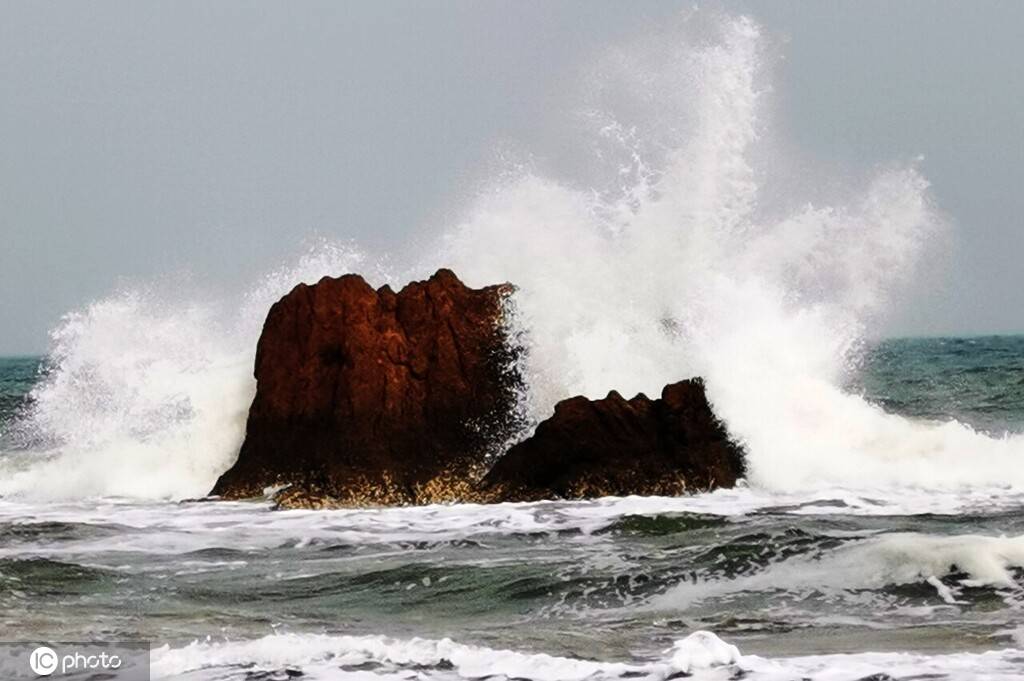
(701, 655)
(146, 392)
(682, 257)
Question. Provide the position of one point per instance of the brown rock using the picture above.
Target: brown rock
(616, 447)
(369, 397)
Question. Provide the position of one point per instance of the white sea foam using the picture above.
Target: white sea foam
(876, 562)
(702, 655)
(683, 261)
(148, 389)
(161, 528)
(697, 273)
(329, 653)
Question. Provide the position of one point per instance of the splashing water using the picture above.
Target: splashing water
(146, 394)
(679, 264)
(693, 277)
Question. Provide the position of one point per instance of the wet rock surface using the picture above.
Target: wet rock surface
(369, 397)
(616, 447)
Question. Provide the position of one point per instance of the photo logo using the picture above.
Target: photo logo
(43, 661)
(125, 660)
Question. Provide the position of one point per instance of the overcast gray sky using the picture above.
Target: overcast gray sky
(144, 138)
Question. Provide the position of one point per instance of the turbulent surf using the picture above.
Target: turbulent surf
(878, 533)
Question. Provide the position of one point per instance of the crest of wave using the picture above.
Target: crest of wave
(682, 264)
(147, 390)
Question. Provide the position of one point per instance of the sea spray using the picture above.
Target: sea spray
(147, 390)
(682, 261)
(694, 276)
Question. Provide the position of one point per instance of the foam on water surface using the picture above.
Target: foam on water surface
(594, 571)
(873, 563)
(701, 656)
(191, 526)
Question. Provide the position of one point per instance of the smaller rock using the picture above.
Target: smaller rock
(617, 447)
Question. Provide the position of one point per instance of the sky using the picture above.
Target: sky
(143, 139)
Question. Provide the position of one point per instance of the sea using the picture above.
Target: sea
(808, 584)
(878, 534)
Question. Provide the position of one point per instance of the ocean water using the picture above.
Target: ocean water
(823, 584)
(878, 534)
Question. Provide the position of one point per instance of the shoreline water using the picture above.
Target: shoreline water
(599, 580)
(805, 583)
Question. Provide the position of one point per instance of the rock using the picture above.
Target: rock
(617, 447)
(368, 397)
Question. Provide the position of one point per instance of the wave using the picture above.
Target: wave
(695, 276)
(82, 527)
(146, 391)
(633, 571)
(701, 655)
(946, 563)
(323, 656)
(734, 541)
(688, 256)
